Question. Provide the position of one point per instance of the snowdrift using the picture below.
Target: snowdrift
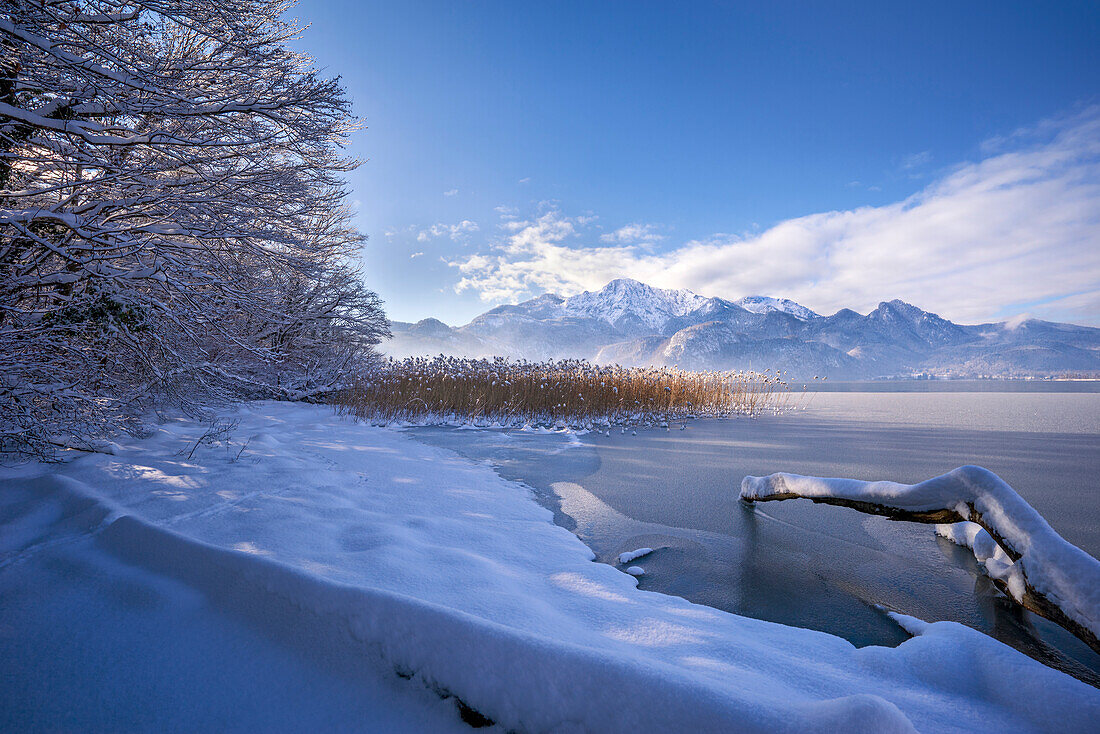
(379, 552)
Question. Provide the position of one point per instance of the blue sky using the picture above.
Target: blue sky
(836, 153)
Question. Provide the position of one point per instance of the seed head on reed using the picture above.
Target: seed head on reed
(567, 392)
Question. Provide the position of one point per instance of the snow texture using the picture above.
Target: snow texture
(1062, 572)
(766, 304)
(284, 588)
(634, 555)
(991, 556)
(912, 625)
(656, 307)
(651, 307)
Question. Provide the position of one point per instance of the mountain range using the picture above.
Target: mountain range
(634, 324)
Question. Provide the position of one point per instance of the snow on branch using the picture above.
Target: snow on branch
(173, 215)
(1023, 555)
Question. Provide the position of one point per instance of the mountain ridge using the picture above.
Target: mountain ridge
(635, 324)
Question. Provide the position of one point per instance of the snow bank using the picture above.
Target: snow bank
(525, 681)
(1035, 564)
(383, 552)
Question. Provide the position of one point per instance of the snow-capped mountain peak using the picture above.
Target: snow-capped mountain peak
(766, 304)
(631, 323)
(626, 298)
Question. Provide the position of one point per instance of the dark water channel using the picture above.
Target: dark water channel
(810, 565)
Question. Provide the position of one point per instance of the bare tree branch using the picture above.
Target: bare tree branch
(172, 214)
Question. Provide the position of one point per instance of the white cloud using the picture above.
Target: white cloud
(633, 234)
(1018, 230)
(416, 255)
(456, 232)
(532, 258)
(451, 192)
(525, 179)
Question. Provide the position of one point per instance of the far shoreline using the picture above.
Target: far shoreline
(909, 385)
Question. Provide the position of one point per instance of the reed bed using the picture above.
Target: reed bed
(568, 393)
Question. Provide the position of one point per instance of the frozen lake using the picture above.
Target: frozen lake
(812, 565)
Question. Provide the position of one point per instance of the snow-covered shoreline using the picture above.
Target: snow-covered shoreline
(396, 556)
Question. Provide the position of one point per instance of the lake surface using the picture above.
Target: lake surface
(812, 565)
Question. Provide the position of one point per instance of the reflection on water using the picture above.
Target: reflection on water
(817, 566)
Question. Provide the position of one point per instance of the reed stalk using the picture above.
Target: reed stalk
(571, 393)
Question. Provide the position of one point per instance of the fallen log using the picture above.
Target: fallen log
(1039, 569)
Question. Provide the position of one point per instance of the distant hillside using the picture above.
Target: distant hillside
(634, 324)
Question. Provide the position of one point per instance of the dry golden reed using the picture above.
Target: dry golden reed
(571, 393)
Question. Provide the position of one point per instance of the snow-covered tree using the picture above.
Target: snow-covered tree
(172, 214)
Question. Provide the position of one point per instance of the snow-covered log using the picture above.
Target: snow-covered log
(1036, 567)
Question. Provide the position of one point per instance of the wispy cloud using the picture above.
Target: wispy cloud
(633, 234)
(525, 179)
(455, 232)
(416, 255)
(451, 192)
(916, 160)
(1017, 230)
(400, 231)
